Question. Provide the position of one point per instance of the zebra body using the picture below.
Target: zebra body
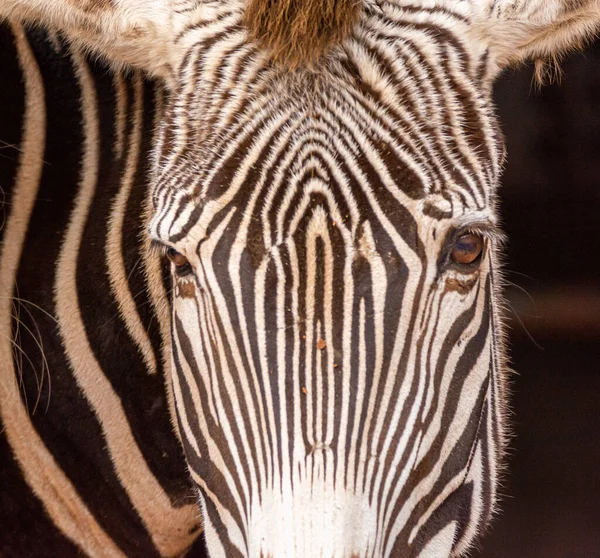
(87, 440)
(328, 203)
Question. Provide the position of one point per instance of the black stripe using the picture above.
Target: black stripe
(25, 528)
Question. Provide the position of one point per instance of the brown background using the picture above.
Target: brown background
(551, 213)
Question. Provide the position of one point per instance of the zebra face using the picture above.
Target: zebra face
(335, 341)
(337, 369)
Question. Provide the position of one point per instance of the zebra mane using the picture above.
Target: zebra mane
(299, 32)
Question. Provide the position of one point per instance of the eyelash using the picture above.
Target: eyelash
(158, 249)
(492, 235)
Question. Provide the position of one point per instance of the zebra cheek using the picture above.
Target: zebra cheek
(186, 303)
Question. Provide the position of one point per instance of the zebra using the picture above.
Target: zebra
(87, 464)
(323, 185)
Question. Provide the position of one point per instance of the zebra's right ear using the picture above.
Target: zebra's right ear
(515, 31)
(137, 33)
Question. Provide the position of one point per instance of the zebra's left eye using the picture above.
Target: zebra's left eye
(181, 263)
(467, 249)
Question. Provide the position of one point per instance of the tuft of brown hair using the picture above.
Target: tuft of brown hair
(299, 32)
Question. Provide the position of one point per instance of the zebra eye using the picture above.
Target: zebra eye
(181, 263)
(467, 249)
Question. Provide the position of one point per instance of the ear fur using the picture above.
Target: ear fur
(134, 33)
(541, 30)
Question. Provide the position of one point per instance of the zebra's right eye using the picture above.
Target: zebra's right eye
(181, 263)
(467, 249)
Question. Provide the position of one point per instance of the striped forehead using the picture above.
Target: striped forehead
(402, 104)
(355, 156)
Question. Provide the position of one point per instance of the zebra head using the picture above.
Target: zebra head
(329, 209)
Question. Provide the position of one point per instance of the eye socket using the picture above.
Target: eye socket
(181, 263)
(467, 248)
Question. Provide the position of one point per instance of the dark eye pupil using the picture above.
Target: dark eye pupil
(466, 244)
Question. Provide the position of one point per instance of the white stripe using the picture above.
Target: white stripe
(114, 247)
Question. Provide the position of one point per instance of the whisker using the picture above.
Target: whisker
(507, 302)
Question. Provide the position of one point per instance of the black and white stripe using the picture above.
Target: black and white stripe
(336, 378)
(90, 460)
(337, 383)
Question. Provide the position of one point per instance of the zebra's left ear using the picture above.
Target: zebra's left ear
(136, 33)
(515, 31)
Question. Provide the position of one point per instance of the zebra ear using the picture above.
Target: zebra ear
(134, 33)
(516, 31)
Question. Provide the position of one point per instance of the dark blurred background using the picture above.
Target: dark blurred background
(551, 213)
